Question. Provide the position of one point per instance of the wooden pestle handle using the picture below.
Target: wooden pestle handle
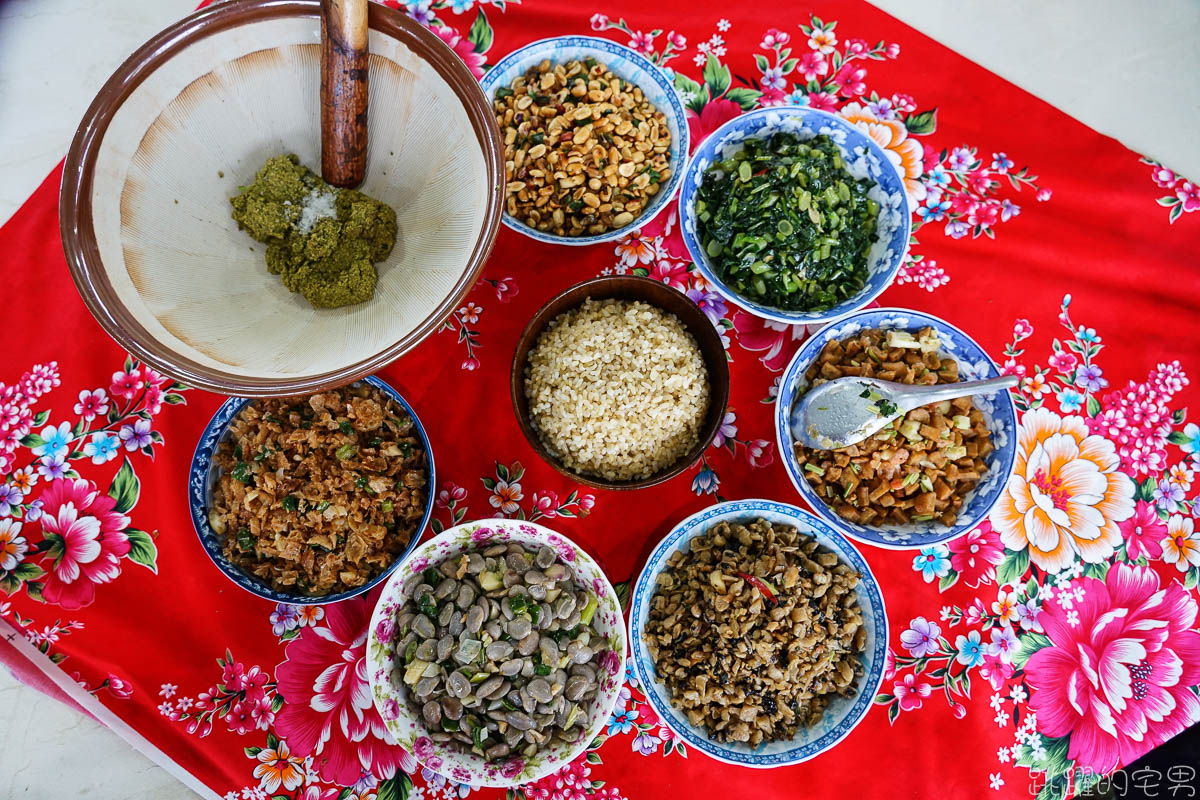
(343, 91)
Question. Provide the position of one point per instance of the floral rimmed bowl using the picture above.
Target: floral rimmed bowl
(387, 679)
(841, 716)
(863, 158)
(626, 64)
(973, 364)
(204, 474)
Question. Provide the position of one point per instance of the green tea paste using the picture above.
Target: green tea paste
(322, 242)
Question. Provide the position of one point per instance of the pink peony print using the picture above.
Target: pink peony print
(391, 708)
(975, 556)
(329, 713)
(1163, 177)
(156, 389)
(1063, 361)
(996, 670)
(450, 491)
(423, 747)
(852, 79)
(889, 665)
(714, 114)
(126, 384)
(119, 687)
(672, 273)
(1189, 195)
(1143, 532)
(857, 47)
(610, 662)
(565, 550)
(546, 503)
(773, 339)
(87, 540)
(92, 404)
(760, 452)
(812, 66)
(642, 42)
(1117, 680)
(822, 101)
(910, 692)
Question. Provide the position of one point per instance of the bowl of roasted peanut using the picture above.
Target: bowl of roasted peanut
(595, 138)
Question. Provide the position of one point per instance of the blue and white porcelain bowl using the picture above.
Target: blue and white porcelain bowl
(627, 65)
(840, 717)
(863, 158)
(973, 364)
(204, 475)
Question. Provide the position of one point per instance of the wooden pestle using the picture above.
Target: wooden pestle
(343, 92)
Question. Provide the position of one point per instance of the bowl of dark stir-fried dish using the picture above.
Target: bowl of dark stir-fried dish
(758, 633)
(312, 499)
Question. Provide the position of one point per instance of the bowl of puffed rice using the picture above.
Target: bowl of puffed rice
(595, 138)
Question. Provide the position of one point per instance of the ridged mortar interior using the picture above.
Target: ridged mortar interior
(224, 105)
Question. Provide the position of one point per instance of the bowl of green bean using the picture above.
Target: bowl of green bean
(794, 214)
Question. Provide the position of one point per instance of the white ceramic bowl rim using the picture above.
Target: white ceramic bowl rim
(870, 599)
(601, 49)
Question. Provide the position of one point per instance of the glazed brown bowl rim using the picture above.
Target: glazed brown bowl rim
(76, 223)
(718, 400)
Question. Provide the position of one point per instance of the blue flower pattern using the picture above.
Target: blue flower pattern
(932, 562)
(970, 649)
(622, 721)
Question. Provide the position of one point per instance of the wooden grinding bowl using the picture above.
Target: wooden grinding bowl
(653, 293)
(191, 116)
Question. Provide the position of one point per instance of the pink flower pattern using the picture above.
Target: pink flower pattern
(328, 712)
(88, 540)
(1116, 678)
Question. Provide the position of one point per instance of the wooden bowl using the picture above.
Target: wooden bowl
(659, 295)
(192, 115)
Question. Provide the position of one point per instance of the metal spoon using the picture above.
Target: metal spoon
(846, 411)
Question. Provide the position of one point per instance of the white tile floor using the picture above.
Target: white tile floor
(1128, 70)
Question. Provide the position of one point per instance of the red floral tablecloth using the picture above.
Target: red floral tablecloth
(1052, 644)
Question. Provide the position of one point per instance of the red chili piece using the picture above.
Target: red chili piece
(762, 587)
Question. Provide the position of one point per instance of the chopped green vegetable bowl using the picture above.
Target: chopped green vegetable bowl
(785, 224)
(794, 214)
